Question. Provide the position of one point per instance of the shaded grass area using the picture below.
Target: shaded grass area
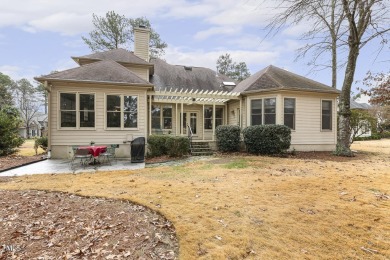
(257, 207)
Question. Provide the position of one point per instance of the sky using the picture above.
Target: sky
(40, 36)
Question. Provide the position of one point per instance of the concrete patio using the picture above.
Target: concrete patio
(56, 166)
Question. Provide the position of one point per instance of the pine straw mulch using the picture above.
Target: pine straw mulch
(53, 225)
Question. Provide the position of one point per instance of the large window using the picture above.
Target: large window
(263, 115)
(256, 112)
(77, 110)
(122, 111)
(162, 120)
(326, 115)
(289, 112)
(269, 111)
(208, 117)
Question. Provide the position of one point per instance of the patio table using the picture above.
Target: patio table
(95, 151)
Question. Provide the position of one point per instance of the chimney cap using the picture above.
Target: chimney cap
(142, 26)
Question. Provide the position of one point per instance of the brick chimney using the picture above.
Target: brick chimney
(141, 42)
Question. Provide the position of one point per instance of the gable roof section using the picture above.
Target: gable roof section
(119, 55)
(106, 71)
(184, 77)
(274, 78)
(356, 105)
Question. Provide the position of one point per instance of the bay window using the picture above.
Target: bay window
(289, 112)
(263, 111)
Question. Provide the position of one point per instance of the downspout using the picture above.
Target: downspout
(213, 119)
(203, 122)
(150, 114)
(48, 89)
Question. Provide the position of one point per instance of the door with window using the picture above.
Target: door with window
(190, 118)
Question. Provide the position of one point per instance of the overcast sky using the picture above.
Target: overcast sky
(39, 36)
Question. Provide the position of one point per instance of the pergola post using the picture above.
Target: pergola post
(176, 121)
(213, 119)
(203, 122)
(182, 118)
(150, 114)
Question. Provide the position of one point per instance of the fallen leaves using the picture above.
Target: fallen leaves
(44, 225)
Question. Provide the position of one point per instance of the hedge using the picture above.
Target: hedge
(41, 142)
(228, 138)
(168, 145)
(267, 139)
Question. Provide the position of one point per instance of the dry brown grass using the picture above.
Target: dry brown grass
(258, 207)
(27, 148)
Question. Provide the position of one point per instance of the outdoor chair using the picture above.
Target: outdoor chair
(83, 155)
(109, 153)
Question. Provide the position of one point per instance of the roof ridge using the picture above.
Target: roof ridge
(275, 80)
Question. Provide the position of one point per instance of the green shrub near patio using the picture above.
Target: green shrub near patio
(228, 138)
(173, 146)
(267, 139)
(9, 124)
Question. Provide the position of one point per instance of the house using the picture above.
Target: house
(117, 95)
(37, 128)
(363, 128)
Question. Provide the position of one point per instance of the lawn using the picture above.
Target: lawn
(257, 207)
(27, 148)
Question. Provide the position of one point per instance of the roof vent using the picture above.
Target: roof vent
(188, 68)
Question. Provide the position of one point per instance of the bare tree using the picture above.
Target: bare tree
(27, 101)
(348, 24)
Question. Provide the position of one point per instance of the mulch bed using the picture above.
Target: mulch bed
(51, 225)
(11, 161)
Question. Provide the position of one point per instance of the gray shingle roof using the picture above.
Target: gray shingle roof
(107, 71)
(274, 78)
(356, 105)
(178, 77)
(118, 55)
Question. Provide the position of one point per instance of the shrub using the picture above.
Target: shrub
(41, 142)
(10, 139)
(156, 145)
(385, 134)
(177, 145)
(228, 138)
(267, 139)
(168, 145)
(365, 138)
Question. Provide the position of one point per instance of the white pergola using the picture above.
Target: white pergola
(189, 96)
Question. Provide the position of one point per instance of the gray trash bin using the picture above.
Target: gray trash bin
(138, 150)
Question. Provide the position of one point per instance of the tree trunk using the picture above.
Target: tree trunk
(344, 135)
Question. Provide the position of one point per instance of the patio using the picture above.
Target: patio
(56, 166)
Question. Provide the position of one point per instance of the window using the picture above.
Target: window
(77, 110)
(165, 120)
(269, 111)
(256, 112)
(87, 110)
(289, 112)
(208, 117)
(263, 115)
(326, 115)
(122, 111)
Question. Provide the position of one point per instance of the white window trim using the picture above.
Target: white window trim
(331, 114)
(249, 109)
(295, 113)
(77, 111)
(162, 116)
(121, 128)
(223, 117)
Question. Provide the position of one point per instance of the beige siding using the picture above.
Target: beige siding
(142, 72)
(141, 43)
(100, 135)
(232, 115)
(308, 132)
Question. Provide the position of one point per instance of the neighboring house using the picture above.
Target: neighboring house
(363, 129)
(117, 95)
(38, 127)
